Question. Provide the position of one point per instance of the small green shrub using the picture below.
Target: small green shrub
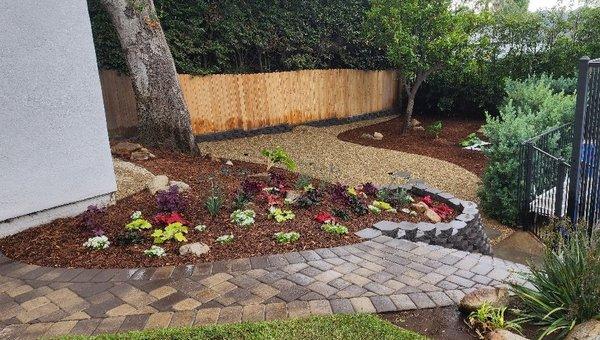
(334, 228)
(243, 218)
(289, 237)
(278, 156)
(240, 200)
(175, 231)
(155, 251)
(435, 129)
(303, 183)
(214, 202)
(488, 318)
(138, 222)
(471, 140)
(565, 289)
(280, 215)
(531, 108)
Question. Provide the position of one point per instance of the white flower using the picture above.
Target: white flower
(225, 239)
(200, 227)
(155, 251)
(136, 215)
(97, 242)
(243, 217)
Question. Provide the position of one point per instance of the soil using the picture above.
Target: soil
(444, 323)
(60, 243)
(422, 143)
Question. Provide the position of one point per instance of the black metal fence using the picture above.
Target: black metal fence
(560, 168)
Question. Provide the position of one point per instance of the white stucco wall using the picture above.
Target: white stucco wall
(53, 139)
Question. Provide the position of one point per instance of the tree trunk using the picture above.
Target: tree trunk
(164, 120)
(408, 114)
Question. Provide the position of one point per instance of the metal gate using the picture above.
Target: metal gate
(559, 174)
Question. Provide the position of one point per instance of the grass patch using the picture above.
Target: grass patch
(350, 326)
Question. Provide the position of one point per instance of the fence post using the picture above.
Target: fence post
(528, 171)
(578, 129)
(560, 189)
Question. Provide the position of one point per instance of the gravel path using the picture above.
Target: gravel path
(319, 153)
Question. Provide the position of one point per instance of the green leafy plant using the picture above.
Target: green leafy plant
(175, 231)
(244, 218)
(138, 222)
(129, 237)
(289, 237)
(435, 129)
(334, 228)
(488, 318)
(303, 183)
(341, 214)
(240, 200)
(214, 202)
(155, 251)
(278, 156)
(565, 289)
(471, 140)
(280, 215)
(379, 206)
(397, 197)
(225, 239)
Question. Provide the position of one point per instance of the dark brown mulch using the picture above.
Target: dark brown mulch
(60, 243)
(422, 143)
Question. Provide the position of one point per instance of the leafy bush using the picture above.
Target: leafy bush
(243, 218)
(280, 215)
(155, 251)
(91, 221)
(334, 228)
(129, 237)
(289, 237)
(379, 206)
(341, 214)
(531, 108)
(435, 129)
(309, 198)
(397, 197)
(170, 200)
(175, 231)
(488, 318)
(97, 242)
(565, 289)
(357, 206)
(138, 222)
(278, 156)
(471, 140)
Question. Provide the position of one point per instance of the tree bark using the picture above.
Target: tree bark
(411, 92)
(164, 120)
(410, 104)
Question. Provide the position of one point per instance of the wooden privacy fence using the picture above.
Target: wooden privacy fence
(249, 101)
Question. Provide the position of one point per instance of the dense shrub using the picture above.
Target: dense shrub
(565, 289)
(531, 107)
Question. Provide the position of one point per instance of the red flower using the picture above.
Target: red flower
(427, 200)
(168, 218)
(443, 210)
(272, 199)
(324, 217)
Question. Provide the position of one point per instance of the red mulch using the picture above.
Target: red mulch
(59, 243)
(422, 143)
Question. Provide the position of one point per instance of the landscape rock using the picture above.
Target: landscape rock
(496, 297)
(158, 183)
(377, 136)
(229, 162)
(366, 136)
(503, 334)
(124, 149)
(432, 216)
(420, 207)
(293, 195)
(182, 186)
(141, 155)
(414, 123)
(131, 178)
(585, 331)
(197, 249)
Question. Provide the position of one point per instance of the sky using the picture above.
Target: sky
(541, 4)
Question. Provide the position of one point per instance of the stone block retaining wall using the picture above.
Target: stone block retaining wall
(465, 232)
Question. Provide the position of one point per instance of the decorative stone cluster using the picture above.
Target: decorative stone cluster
(465, 232)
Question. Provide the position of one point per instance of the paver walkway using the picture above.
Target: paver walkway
(378, 275)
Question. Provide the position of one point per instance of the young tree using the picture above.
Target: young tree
(421, 37)
(164, 118)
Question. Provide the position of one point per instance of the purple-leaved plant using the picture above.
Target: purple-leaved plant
(369, 189)
(339, 192)
(91, 221)
(170, 200)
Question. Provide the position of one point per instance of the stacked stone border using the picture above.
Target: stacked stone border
(465, 232)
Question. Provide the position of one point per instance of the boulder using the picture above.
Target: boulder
(366, 136)
(158, 183)
(496, 297)
(503, 334)
(229, 162)
(585, 331)
(124, 149)
(377, 136)
(432, 216)
(414, 123)
(292, 196)
(420, 207)
(197, 249)
(182, 186)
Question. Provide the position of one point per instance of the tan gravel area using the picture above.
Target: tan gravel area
(131, 178)
(319, 153)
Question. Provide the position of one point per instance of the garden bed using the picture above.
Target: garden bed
(420, 142)
(60, 243)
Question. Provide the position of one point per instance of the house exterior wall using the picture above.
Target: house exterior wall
(54, 151)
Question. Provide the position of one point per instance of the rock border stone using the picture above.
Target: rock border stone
(465, 232)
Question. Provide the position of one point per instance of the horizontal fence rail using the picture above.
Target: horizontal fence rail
(219, 103)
